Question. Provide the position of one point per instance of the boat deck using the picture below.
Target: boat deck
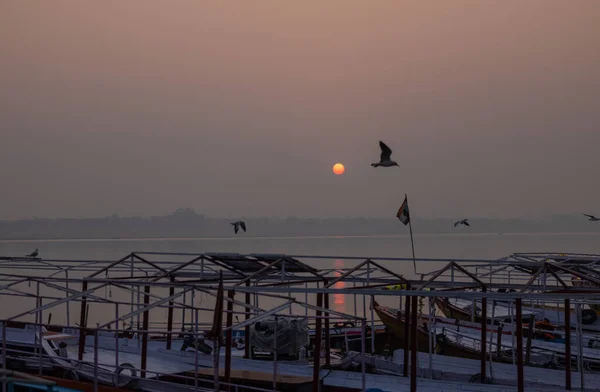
(155, 363)
(353, 381)
(461, 369)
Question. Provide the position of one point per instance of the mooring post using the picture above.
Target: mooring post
(216, 356)
(317, 350)
(490, 348)
(170, 315)
(430, 336)
(354, 301)
(580, 363)
(499, 341)
(327, 343)
(528, 343)
(567, 344)
(247, 329)
(413, 348)
(372, 324)
(96, 360)
(4, 353)
(371, 308)
(4, 345)
(182, 313)
(275, 355)
(229, 339)
(483, 366)
(117, 343)
(363, 364)
(132, 299)
(39, 327)
(82, 320)
(305, 299)
(137, 317)
(145, 332)
(406, 334)
(520, 380)
(194, 316)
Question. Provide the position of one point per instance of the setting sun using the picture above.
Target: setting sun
(338, 168)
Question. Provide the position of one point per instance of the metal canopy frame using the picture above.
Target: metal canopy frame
(277, 280)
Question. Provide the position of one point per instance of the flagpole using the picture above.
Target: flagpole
(412, 243)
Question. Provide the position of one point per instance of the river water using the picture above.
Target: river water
(467, 246)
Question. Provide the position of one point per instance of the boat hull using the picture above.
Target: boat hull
(397, 326)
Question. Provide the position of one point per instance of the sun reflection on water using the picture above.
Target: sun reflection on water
(339, 300)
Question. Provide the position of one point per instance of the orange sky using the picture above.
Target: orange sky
(242, 108)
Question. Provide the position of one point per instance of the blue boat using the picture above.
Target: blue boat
(22, 382)
(24, 386)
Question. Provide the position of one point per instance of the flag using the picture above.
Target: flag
(403, 212)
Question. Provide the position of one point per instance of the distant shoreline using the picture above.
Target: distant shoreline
(185, 223)
(291, 237)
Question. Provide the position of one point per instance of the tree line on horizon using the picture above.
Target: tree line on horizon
(185, 222)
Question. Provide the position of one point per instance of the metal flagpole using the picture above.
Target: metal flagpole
(412, 243)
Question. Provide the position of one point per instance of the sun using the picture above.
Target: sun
(338, 169)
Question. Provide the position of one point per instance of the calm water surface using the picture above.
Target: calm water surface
(481, 246)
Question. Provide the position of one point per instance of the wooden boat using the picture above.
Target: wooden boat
(466, 370)
(590, 320)
(461, 309)
(341, 335)
(466, 344)
(395, 321)
(430, 326)
(23, 347)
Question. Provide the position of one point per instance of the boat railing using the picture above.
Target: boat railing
(112, 374)
(542, 353)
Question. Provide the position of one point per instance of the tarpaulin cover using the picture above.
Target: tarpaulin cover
(292, 334)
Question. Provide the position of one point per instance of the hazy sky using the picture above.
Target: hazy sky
(240, 108)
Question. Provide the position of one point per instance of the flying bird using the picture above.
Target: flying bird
(237, 224)
(34, 253)
(462, 222)
(592, 218)
(385, 159)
